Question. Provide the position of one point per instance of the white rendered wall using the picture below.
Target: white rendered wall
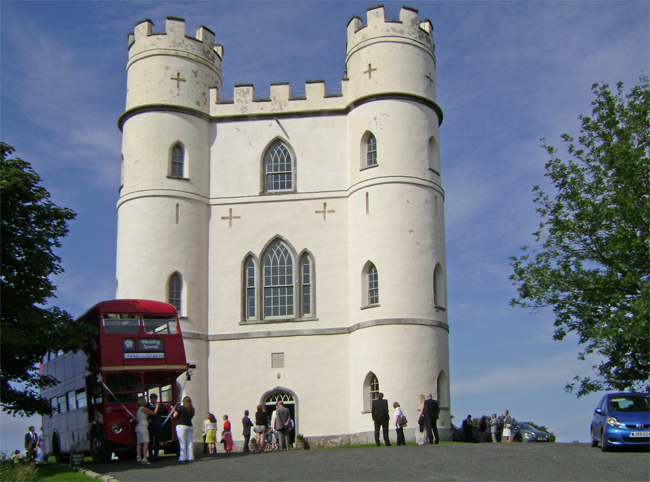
(391, 215)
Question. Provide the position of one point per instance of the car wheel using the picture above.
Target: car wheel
(604, 446)
(518, 438)
(594, 442)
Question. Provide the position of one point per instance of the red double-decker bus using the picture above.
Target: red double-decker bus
(137, 351)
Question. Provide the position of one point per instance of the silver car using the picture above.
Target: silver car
(523, 432)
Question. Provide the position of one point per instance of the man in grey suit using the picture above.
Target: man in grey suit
(431, 411)
(282, 425)
(381, 418)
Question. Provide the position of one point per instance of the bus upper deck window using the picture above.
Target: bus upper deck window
(160, 325)
(121, 324)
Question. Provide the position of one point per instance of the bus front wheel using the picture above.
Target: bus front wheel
(101, 449)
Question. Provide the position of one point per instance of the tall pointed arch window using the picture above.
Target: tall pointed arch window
(373, 286)
(175, 291)
(278, 281)
(177, 167)
(369, 286)
(250, 289)
(371, 151)
(278, 168)
(306, 285)
(370, 390)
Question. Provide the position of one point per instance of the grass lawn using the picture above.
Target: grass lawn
(60, 473)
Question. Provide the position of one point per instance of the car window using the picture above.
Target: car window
(525, 426)
(629, 403)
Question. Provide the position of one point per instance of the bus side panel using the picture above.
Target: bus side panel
(69, 422)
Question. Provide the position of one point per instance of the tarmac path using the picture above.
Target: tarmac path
(445, 462)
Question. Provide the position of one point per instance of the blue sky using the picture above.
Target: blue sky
(508, 74)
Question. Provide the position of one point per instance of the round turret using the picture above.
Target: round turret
(171, 68)
(391, 56)
(163, 210)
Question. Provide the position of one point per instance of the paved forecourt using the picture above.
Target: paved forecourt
(515, 461)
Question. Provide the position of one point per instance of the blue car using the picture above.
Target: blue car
(621, 420)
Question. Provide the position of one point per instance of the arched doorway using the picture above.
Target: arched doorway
(288, 399)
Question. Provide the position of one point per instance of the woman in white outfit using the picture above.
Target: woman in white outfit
(142, 429)
(507, 427)
(399, 429)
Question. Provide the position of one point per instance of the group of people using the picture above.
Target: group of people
(493, 423)
(149, 427)
(210, 433)
(276, 432)
(428, 412)
(34, 446)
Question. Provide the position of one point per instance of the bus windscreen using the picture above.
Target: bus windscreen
(125, 387)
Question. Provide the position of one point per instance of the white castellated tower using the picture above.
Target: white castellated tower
(301, 238)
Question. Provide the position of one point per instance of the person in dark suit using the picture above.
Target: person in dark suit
(155, 427)
(431, 410)
(247, 423)
(381, 418)
(30, 443)
(282, 425)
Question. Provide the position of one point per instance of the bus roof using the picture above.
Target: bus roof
(131, 306)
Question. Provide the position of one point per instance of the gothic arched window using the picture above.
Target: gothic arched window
(370, 285)
(278, 168)
(373, 286)
(175, 291)
(278, 281)
(371, 151)
(306, 285)
(250, 289)
(370, 390)
(177, 167)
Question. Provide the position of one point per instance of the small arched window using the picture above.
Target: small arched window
(175, 291)
(370, 286)
(177, 161)
(278, 168)
(371, 151)
(370, 391)
(373, 286)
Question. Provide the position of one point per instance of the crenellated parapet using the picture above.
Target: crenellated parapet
(144, 41)
(170, 68)
(279, 100)
(391, 56)
(408, 27)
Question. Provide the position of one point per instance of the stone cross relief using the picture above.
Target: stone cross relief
(325, 211)
(369, 71)
(178, 80)
(230, 217)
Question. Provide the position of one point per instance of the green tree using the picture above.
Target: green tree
(31, 227)
(592, 265)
